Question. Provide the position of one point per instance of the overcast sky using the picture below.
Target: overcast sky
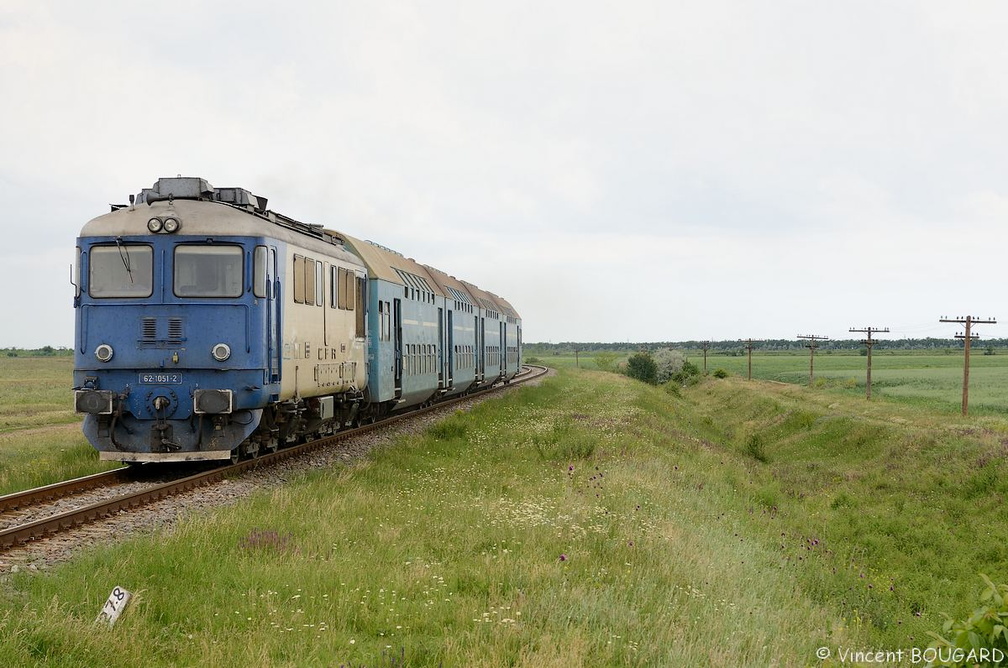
(619, 171)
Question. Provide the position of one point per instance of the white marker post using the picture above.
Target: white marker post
(114, 606)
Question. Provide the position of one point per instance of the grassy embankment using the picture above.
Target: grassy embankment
(592, 520)
(932, 381)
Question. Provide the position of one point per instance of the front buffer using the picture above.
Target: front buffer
(161, 417)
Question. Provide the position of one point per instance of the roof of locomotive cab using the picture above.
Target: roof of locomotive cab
(209, 219)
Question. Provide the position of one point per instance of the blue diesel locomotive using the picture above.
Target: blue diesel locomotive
(209, 327)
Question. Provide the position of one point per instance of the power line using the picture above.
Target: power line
(869, 343)
(968, 321)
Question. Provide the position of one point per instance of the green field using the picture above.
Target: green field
(593, 520)
(40, 436)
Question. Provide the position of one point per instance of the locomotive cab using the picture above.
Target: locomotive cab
(177, 345)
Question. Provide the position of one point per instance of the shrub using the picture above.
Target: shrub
(720, 373)
(965, 642)
(689, 374)
(642, 367)
(669, 363)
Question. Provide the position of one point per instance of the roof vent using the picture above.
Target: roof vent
(181, 187)
(241, 197)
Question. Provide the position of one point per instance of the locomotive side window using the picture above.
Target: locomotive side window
(319, 284)
(299, 282)
(348, 279)
(333, 286)
(259, 271)
(77, 273)
(309, 281)
(342, 288)
(209, 271)
(123, 270)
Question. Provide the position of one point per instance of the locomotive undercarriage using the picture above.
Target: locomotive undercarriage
(298, 420)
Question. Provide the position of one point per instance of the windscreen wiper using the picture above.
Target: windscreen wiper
(124, 255)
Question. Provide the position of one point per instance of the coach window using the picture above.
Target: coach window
(361, 293)
(259, 271)
(123, 270)
(208, 271)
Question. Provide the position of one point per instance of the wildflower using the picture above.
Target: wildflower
(563, 557)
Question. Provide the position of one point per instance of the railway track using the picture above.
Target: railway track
(60, 521)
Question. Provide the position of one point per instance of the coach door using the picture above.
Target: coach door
(397, 325)
(441, 339)
(502, 357)
(479, 324)
(450, 349)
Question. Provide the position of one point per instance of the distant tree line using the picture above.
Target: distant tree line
(44, 351)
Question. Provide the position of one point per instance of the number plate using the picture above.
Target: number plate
(161, 378)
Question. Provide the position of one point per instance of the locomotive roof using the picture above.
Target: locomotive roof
(207, 211)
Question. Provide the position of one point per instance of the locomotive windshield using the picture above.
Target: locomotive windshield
(208, 271)
(123, 270)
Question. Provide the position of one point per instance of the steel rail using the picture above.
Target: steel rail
(40, 529)
(58, 490)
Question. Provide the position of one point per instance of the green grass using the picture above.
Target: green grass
(590, 521)
(40, 436)
(35, 391)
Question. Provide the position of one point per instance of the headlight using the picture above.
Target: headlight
(104, 352)
(154, 225)
(171, 225)
(221, 352)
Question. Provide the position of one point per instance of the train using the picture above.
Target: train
(209, 327)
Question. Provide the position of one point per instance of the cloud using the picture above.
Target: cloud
(799, 162)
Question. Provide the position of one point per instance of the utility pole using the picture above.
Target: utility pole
(869, 342)
(813, 343)
(968, 321)
(749, 347)
(705, 346)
